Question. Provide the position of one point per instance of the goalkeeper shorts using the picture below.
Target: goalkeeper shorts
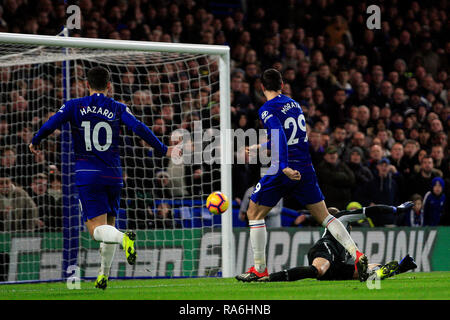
(98, 199)
(335, 254)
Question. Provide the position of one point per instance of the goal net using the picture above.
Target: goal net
(42, 235)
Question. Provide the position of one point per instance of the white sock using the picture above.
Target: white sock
(258, 237)
(107, 251)
(108, 234)
(341, 234)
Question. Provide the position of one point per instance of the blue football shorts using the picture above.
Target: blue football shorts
(98, 199)
(271, 188)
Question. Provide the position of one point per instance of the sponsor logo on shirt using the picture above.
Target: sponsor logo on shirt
(266, 116)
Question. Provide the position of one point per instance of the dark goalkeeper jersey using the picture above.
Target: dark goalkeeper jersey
(95, 124)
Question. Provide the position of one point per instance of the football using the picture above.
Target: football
(217, 202)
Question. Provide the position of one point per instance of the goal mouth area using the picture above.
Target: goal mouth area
(42, 72)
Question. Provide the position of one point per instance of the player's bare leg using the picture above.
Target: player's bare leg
(258, 237)
(320, 212)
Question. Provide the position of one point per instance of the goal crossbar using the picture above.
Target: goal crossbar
(109, 44)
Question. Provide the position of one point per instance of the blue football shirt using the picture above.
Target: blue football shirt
(95, 124)
(285, 115)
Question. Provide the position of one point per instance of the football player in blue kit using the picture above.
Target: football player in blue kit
(95, 123)
(291, 173)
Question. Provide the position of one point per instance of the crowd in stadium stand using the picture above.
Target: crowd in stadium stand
(376, 101)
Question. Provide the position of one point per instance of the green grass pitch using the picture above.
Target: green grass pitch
(417, 286)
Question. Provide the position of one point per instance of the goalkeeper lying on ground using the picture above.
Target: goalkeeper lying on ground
(328, 259)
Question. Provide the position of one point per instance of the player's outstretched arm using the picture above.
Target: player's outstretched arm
(53, 123)
(252, 151)
(145, 133)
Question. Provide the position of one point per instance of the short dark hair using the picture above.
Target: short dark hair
(272, 80)
(40, 176)
(98, 78)
(427, 156)
(338, 90)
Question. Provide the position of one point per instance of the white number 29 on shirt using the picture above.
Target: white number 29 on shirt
(300, 123)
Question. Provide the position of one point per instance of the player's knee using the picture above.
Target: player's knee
(322, 266)
(257, 212)
(252, 212)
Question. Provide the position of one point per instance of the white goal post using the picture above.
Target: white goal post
(226, 142)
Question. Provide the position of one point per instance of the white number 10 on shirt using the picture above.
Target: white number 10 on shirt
(87, 135)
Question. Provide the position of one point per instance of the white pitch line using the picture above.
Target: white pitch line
(115, 287)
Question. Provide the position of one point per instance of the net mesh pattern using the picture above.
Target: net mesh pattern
(161, 200)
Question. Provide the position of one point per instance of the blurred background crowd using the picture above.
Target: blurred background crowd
(376, 101)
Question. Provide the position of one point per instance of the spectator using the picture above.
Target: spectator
(351, 127)
(410, 148)
(338, 139)
(440, 163)
(8, 162)
(415, 217)
(363, 118)
(385, 137)
(5, 137)
(357, 140)
(396, 157)
(49, 209)
(164, 217)
(376, 154)
(326, 80)
(434, 203)
(385, 97)
(383, 189)
(343, 81)
(18, 212)
(421, 182)
(335, 178)
(399, 101)
(55, 184)
(162, 185)
(315, 147)
(361, 96)
(362, 174)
